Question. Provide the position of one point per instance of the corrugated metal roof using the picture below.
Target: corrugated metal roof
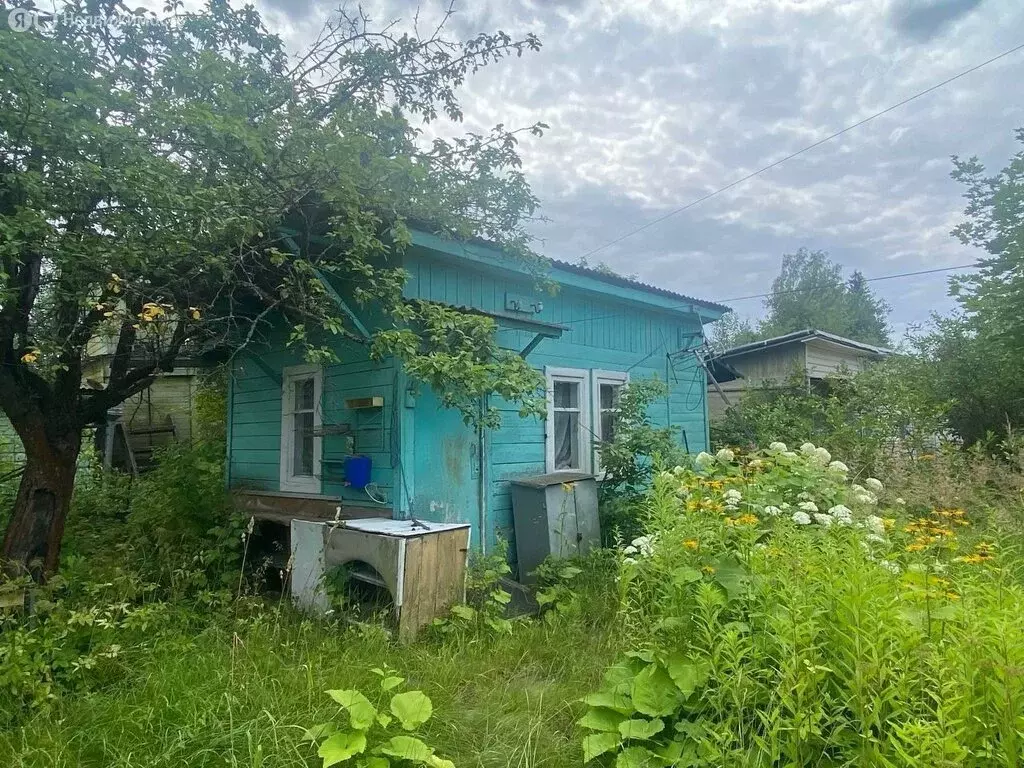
(804, 335)
(637, 284)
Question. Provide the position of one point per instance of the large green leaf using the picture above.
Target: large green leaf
(412, 708)
(361, 712)
(617, 698)
(687, 674)
(654, 693)
(731, 576)
(342, 746)
(638, 757)
(406, 748)
(641, 729)
(602, 719)
(321, 731)
(599, 743)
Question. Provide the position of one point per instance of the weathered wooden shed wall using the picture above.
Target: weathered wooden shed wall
(828, 359)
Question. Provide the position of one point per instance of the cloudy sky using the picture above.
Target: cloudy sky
(653, 103)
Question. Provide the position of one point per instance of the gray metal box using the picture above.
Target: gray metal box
(555, 515)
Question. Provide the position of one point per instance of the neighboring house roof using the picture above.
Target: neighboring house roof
(805, 335)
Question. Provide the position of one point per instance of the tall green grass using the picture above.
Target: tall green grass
(240, 693)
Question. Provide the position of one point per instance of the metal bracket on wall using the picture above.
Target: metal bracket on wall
(533, 343)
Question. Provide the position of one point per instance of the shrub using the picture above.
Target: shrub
(784, 615)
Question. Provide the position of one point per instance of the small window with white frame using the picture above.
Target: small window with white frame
(301, 422)
(567, 438)
(606, 386)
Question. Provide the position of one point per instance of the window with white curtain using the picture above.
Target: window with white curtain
(568, 429)
(301, 422)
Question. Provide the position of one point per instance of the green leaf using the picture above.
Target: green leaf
(389, 683)
(384, 719)
(341, 746)
(321, 731)
(406, 748)
(687, 674)
(412, 708)
(439, 762)
(654, 693)
(375, 762)
(731, 576)
(638, 757)
(641, 729)
(683, 576)
(361, 712)
(599, 743)
(617, 699)
(464, 612)
(602, 719)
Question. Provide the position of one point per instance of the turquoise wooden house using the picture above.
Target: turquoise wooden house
(293, 427)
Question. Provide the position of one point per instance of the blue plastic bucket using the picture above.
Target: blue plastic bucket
(357, 471)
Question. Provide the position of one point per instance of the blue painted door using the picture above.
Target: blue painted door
(446, 465)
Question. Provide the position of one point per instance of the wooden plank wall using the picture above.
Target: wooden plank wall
(605, 334)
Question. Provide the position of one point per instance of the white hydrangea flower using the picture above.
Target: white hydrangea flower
(755, 464)
(678, 470)
(866, 498)
(630, 550)
(732, 496)
(821, 456)
(858, 488)
(703, 459)
(824, 520)
(772, 511)
(808, 448)
(664, 475)
(804, 496)
(644, 545)
(784, 506)
(900, 502)
(807, 506)
(838, 466)
(874, 484)
(801, 518)
(875, 524)
(842, 514)
(777, 447)
(875, 538)
(725, 455)
(890, 566)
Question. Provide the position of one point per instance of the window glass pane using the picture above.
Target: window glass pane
(607, 425)
(304, 395)
(567, 394)
(609, 395)
(567, 440)
(302, 458)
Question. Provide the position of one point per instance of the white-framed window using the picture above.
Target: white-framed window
(301, 422)
(605, 388)
(567, 431)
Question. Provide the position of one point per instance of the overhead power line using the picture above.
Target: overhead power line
(867, 280)
(687, 304)
(799, 152)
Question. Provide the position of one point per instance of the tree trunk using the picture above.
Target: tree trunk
(34, 533)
